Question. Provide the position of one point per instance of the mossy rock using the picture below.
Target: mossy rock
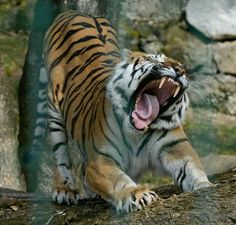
(12, 52)
(16, 15)
(190, 50)
(211, 132)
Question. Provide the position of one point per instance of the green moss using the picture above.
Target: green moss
(16, 15)
(155, 181)
(12, 52)
(176, 40)
(211, 135)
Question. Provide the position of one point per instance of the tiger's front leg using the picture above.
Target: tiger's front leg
(180, 160)
(112, 184)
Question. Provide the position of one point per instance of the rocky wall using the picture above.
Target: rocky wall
(199, 33)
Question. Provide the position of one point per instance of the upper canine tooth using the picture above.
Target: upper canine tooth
(176, 91)
(163, 79)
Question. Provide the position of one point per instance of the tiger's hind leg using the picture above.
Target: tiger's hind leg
(64, 188)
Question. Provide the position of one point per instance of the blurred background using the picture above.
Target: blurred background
(199, 33)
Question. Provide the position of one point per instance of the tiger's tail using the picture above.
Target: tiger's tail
(31, 158)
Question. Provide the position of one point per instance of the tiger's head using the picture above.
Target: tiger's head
(149, 91)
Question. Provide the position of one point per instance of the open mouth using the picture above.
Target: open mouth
(153, 99)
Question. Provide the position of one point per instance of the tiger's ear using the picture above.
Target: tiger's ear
(125, 53)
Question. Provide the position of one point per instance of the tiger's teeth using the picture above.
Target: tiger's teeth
(163, 79)
(176, 91)
(146, 128)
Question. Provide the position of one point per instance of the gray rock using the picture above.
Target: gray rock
(192, 52)
(10, 172)
(211, 132)
(216, 19)
(217, 91)
(214, 164)
(153, 12)
(225, 57)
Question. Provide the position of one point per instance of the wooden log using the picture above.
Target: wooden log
(215, 205)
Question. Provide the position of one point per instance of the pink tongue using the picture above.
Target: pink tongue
(146, 111)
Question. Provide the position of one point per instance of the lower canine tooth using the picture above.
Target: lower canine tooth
(146, 128)
(176, 91)
(163, 79)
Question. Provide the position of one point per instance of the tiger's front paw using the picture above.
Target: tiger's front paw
(64, 195)
(135, 199)
(202, 185)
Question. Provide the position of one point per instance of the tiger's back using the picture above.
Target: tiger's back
(80, 54)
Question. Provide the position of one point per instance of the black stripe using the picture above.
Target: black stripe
(58, 145)
(180, 100)
(66, 97)
(122, 93)
(63, 164)
(144, 142)
(173, 143)
(108, 62)
(111, 142)
(184, 175)
(91, 59)
(121, 131)
(99, 29)
(54, 120)
(51, 129)
(82, 82)
(66, 113)
(75, 117)
(105, 154)
(116, 182)
(125, 66)
(105, 118)
(132, 77)
(82, 51)
(135, 63)
(83, 24)
(67, 19)
(96, 78)
(161, 136)
(105, 23)
(121, 75)
(38, 137)
(59, 37)
(179, 175)
(65, 53)
(185, 97)
(118, 78)
(180, 112)
(97, 102)
(42, 114)
(101, 37)
(41, 123)
(168, 119)
(67, 36)
(143, 72)
(112, 32)
(71, 72)
(84, 131)
(112, 41)
(85, 105)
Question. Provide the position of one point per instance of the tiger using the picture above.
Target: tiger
(123, 110)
